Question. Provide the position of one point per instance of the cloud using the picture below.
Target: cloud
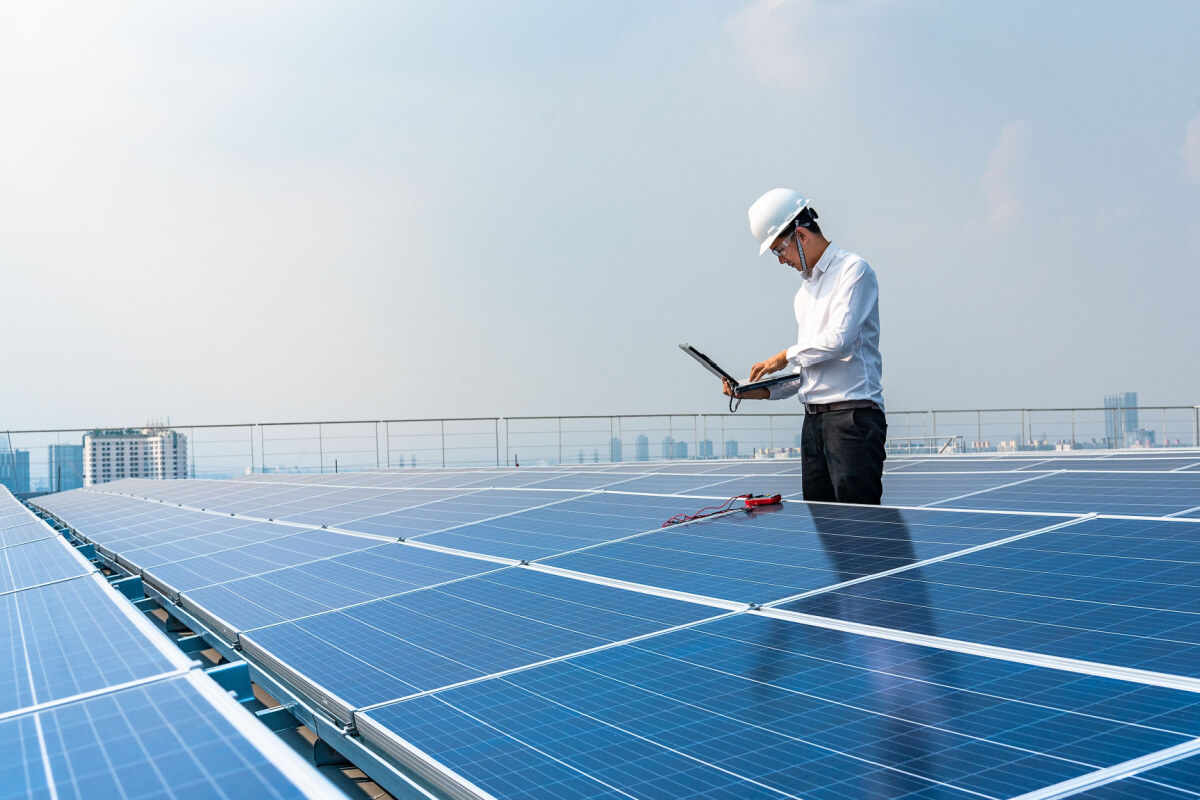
(1191, 152)
(999, 180)
(792, 43)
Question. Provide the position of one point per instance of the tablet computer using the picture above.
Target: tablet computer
(738, 386)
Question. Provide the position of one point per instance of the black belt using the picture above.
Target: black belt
(841, 405)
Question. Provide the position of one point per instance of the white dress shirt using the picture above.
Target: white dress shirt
(837, 352)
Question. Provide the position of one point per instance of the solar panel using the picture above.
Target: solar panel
(355, 578)
(72, 637)
(1143, 494)
(38, 562)
(767, 555)
(1179, 780)
(1118, 591)
(919, 489)
(748, 707)
(478, 626)
(180, 737)
(452, 512)
(569, 525)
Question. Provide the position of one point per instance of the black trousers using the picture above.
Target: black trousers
(841, 456)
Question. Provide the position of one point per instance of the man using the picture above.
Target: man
(836, 355)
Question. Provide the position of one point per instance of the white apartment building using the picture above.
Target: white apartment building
(131, 453)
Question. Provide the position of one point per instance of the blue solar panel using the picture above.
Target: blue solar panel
(771, 554)
(746, 705)
(254, 559)
(1100, 492)
(459, 510)
(997, 464)
(21, 534)
(164, 739)
(354, 578)
(204, 544)
(569, 525)
(707, 485)
(433, 637)
(1120, 591)
(38, 562)
(917, 489)
(71, 637)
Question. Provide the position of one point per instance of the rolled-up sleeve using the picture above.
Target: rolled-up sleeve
(782, 391)
(856, 294)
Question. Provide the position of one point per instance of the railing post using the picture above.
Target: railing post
(376, 444)
(321, 446)
(1072, 429)
(771, 428)
(442, 423)
(1165, 439)
(933, 418)
(496, 437)
(507, 454)
(560, 461)
(696, 436)
(251, 429)
(387, 442)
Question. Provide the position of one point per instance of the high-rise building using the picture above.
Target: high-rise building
(14, 467)
(643, 448)
(706, 448)
(1120, 419)
(65, 467)
(110, 455)
(615, 450)
(731, 448)
(680, 449)
(668, 448)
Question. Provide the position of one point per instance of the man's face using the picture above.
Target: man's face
(785, 249)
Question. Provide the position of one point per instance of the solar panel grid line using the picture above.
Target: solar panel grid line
(1024, 467)
(143, 625)
(1186, 467)
(574, 496)
(990, 488)
(508, 562)
(925, 562)
(554, 660)
(641, 588)
(253, 519)
(439, 585)
(1113, 773)
(959, 509)
(42, 584)
(79, 697)
(1184, 513)
(1081, 666)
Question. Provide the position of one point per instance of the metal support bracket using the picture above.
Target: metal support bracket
(326, 756)
(191, 644)
(131, 587)
(234, 677)
(88, 551)
(146, 604)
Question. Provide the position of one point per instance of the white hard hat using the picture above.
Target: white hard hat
(771, 213)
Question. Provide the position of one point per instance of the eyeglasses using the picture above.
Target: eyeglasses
(782, 248)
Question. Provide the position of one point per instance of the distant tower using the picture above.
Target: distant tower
(643, 448)
(615, 449)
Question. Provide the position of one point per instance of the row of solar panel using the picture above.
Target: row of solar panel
(393, 648)
(94, 701)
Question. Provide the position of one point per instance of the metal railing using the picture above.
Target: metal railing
(349, 445)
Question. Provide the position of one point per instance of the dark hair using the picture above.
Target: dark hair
(808, 219)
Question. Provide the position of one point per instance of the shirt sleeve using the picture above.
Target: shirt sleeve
(855, 295)
(782, 391)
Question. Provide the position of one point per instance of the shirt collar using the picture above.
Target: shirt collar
(823, 262)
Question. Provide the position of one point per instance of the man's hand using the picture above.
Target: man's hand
(754, 394)
(772, 364)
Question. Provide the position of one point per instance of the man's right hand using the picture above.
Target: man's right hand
(772, 364)
(754, 394)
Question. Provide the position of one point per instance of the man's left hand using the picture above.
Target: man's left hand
(772, 364)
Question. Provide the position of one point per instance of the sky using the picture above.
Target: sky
(274, 211)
